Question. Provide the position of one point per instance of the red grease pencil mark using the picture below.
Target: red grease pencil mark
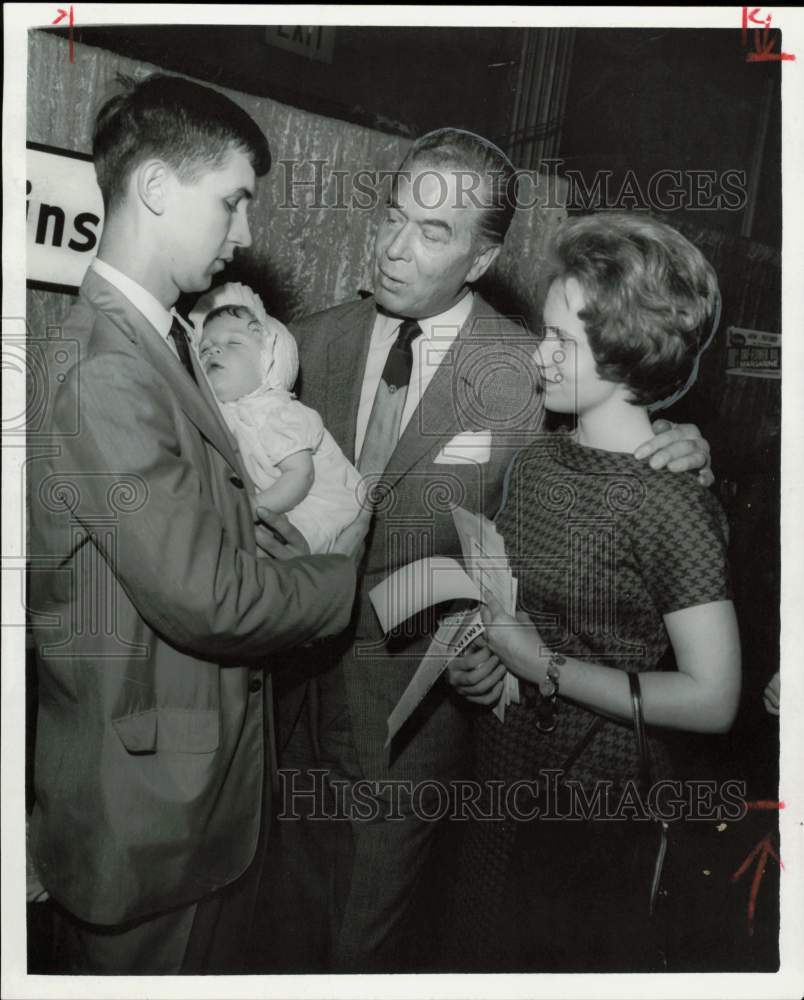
(749, 16)
(761, 851)
(763, 49)
(764, 804)
(62, 15)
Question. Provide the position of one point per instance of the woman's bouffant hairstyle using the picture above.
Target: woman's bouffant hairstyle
(650, 296)
(489, 176)
(192, 128)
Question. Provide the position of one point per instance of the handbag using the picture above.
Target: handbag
(643, 779)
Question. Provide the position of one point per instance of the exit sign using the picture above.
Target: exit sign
(309, 40)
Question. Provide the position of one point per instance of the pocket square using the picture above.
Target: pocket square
(470, 447)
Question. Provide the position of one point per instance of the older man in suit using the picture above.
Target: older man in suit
(430, 392)
(155, 621)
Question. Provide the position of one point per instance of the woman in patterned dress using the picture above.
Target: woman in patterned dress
(619, 566)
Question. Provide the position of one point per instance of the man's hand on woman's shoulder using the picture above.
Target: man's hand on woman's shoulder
(678, 448)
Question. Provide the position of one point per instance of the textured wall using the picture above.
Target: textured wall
(303, 258)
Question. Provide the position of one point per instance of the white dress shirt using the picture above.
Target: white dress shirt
(142, 300)
(437, 336)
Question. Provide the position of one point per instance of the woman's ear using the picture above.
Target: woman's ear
(152, 182)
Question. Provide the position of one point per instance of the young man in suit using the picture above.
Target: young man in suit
(429, 391)
(155, 622)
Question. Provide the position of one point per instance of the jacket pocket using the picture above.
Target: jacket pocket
(171, 729)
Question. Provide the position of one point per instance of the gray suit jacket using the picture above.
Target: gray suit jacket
(487, 382)
(154, 623)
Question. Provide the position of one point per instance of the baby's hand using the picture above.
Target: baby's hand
(287, 492)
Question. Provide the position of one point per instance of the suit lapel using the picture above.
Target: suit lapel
(197, 402)
(346, 362)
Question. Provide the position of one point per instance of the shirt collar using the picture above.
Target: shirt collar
(139, 297)
(437, 329)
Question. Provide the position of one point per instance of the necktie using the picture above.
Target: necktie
(179, 338)
(382, 432)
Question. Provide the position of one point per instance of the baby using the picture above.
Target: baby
(251, 362)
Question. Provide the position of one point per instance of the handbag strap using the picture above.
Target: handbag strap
(639, 733)
(644, 781)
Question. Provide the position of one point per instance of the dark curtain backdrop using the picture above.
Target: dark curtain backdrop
(741, 418)
(302, 259)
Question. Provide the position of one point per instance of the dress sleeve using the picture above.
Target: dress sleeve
(293, 427)
(682, 544)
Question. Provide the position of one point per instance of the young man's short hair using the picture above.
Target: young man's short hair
(649, 293)
(490, 178)
(192, 128)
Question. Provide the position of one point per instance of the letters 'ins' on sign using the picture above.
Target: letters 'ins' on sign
(64, 217)
(312, 41)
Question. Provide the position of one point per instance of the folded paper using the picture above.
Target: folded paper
(454, 634)
(420, 585)
(439, 579)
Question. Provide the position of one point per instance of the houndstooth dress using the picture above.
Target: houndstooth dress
(602, 546)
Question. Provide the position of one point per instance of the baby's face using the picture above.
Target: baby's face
(231, 353)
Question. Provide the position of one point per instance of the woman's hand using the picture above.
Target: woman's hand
(477, 674)
(515, 640)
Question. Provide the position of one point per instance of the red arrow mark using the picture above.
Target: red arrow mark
(769, 57)
(62, 15)
(763, 51)
(762, 850)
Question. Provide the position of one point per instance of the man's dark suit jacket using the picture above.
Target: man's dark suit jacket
(488, 381)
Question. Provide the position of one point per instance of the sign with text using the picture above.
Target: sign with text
(753, 352)
(309, 40)
(64, 217)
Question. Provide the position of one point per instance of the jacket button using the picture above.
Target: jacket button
(236, 481)
(255, 684)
